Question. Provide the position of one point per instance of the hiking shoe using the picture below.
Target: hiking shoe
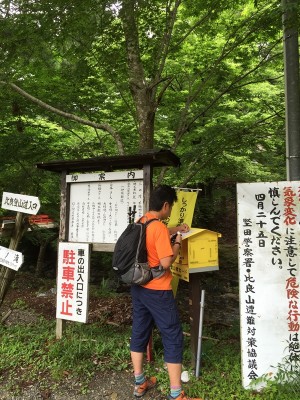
(183, 396)
(140, 390)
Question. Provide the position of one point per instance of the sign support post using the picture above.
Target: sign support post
(7, 274)
(194, 312)
(198, 361)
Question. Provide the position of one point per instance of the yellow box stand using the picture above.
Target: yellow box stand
(198, 253)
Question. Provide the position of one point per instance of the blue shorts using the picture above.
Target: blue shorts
(156, 307)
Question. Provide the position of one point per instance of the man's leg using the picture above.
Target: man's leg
(137, 362)
(142, 384)
(141, 330)
(174, 371)
(166, 317)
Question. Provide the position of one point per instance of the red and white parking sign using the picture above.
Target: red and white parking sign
(72, 281)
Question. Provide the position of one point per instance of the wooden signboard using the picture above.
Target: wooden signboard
(102, 204)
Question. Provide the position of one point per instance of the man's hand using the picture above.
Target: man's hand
(183, 228)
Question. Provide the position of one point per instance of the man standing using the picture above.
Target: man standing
(154, 303)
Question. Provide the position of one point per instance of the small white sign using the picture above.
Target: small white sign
(20, 203)
(73, 281)
(11, 258)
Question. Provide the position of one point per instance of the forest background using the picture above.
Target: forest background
(204, 79)
(100, 78)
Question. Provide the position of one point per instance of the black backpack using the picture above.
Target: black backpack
(130, 260)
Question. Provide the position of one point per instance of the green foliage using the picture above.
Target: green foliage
(218, 85)
(286, 383)
(103, 289)
(31, 352)
(226, 99)
(20, 304)
(212, 70)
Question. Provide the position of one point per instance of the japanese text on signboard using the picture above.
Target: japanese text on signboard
(269, 239)
(72, 286)
(101, 205)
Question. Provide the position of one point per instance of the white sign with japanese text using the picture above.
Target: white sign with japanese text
(102, 205)
(11, 258)
(20, 203)
(73, 281)
(269, 276)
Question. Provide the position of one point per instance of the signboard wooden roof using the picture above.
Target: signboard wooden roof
(154, 158)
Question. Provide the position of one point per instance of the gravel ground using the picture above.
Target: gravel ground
(107, 385)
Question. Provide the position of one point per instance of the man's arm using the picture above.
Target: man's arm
(166, 262)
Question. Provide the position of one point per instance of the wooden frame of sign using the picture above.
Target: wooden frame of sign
(145, 161)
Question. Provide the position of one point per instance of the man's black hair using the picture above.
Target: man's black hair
(160, 195)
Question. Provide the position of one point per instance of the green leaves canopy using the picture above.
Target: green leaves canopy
(202, 78)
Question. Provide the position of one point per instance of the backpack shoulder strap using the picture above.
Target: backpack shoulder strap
(150, 221)
(147, 222)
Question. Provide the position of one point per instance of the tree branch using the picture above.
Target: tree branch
(165, 43)
(72, 117)
(192, 28)
(185, 125)
(233, 85)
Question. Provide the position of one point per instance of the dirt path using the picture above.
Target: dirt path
(106, 385)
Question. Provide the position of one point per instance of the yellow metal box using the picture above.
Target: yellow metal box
(198, 253)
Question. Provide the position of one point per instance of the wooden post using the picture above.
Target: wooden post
(147, 183)
(194, 312)
(7, 274)
(63, 232)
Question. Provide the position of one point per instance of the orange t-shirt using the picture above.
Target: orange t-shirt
(158, 246)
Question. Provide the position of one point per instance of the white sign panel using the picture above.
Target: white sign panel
(20, 203)
(269, 275)
(72, 281)
(11, 258)
(102, 205)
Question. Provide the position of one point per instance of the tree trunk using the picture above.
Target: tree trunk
(41, 259)
(143, 93)
(42, 252)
